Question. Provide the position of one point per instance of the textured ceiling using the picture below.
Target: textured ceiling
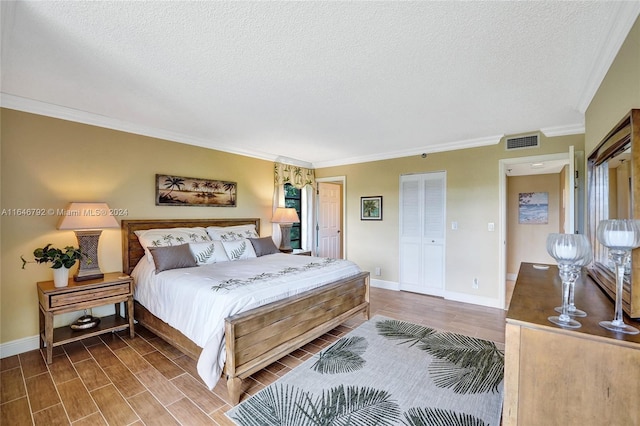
(326, 83)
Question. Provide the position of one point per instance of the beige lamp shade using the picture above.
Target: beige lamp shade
(80, 216)
(285, 215)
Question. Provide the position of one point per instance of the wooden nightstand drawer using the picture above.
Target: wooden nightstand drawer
(64, 299)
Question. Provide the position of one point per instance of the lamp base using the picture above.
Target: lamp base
(89, 268)
(285, 241)
(88, 276)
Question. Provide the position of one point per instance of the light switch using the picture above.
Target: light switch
(454, 225)
(491, 227)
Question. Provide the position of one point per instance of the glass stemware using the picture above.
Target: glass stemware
(568, 250)
(576, 270)
(620, 237)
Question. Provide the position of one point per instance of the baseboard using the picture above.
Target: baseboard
(448, 295)
(512, 277)
(19, 346)
(475, 300)
(30, 343)
(388, 285)
(27, 344)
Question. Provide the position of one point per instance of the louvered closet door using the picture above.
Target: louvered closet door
(422, 219)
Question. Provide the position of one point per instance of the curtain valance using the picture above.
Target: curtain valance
(297, 176)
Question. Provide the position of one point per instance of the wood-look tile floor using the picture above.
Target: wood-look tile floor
(115, 380)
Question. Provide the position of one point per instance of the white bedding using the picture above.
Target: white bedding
(197, 300)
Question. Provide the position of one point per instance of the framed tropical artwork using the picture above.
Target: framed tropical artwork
(187, 191)
(371, 208)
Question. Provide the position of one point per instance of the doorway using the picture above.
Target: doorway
(329, 240)
(570, 193)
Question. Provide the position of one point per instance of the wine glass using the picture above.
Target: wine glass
(567, 250)
(576, 270)
(620, 236)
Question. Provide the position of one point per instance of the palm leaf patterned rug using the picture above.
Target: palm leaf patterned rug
(386, 372)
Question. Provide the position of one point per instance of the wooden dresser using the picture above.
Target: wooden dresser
(555, 376)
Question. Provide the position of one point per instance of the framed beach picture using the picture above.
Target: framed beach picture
(533, 208)
(187, 191)
(371, 208)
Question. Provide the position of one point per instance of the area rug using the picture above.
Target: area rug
(386, 372)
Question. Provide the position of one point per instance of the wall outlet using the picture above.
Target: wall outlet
(475, 283)
(378, 271)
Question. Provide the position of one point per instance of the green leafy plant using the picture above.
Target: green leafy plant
(58, 258)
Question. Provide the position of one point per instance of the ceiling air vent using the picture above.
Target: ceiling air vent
(522, 142)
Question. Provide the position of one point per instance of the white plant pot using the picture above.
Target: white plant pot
(61, 277)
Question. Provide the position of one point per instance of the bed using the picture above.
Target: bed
(255, 338)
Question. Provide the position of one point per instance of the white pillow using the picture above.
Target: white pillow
(232, 233)
(208, 252)
(170, 237)
(239, 249)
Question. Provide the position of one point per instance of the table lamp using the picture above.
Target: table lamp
(285, 217)
(88, 220)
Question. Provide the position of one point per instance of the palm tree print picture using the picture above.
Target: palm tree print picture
(187, 191)
(371, 208)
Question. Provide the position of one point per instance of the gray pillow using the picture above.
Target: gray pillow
(263, 246)
(172, 257)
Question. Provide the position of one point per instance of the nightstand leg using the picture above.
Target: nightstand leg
(41, 328)
(48, 335)
(129, 314)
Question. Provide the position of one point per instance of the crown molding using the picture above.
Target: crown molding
(70, 114)
(625, 17)
(570, 129)
(56, 111)
(293, 162)
(442, 147)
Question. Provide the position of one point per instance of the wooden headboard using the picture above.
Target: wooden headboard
(132, 251)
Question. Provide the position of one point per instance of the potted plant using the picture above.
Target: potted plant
(61, 261)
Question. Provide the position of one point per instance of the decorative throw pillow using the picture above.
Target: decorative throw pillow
(172, 257)
(239, 249)
(232, 233)
(263, 246)
(208, 252)
(170, 237)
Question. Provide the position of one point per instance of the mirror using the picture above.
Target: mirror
(611, 183)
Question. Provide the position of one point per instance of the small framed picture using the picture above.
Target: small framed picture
(533, 208)
(371, 208)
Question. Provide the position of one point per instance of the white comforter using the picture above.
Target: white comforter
(197, 300)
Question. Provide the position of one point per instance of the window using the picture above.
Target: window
(293, 198)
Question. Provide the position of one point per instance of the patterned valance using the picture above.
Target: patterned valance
(297, 176)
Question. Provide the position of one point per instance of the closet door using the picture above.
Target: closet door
(422, 219)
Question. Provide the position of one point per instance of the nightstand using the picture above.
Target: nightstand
(115, 288)
(301, 252)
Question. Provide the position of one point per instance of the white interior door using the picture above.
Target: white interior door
(422, 231)
(570, 221)
(329, 223)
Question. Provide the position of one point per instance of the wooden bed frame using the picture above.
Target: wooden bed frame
(258, 337)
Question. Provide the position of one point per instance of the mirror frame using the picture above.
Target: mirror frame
(624, 135)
